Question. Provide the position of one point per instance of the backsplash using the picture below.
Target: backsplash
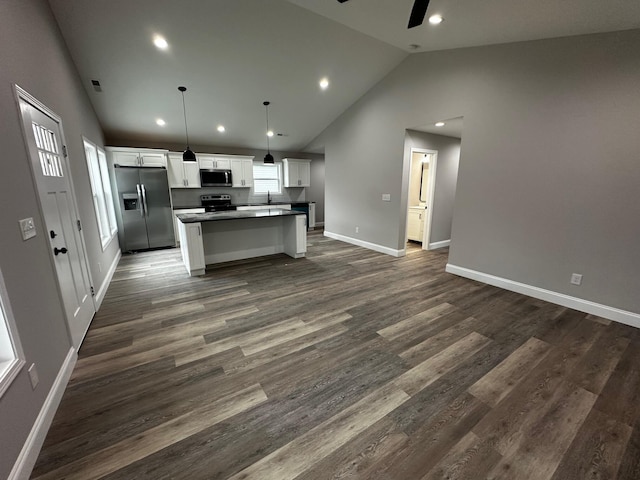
(190, 197)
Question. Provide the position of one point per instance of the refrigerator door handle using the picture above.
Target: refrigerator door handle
(144, 199)
(140, 199)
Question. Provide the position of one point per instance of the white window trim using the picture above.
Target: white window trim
(9, 340)
(107, 221)
(278, 166)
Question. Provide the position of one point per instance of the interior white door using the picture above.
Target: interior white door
(44, 139)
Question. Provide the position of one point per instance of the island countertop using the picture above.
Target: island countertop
(235, 215)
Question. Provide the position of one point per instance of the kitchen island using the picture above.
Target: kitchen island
(215, 237)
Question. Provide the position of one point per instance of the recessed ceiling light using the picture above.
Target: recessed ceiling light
(161, 122)
(221, 128)
(440, 124)
(160, 42)
(435, 19)
(270, 133)
(324, 83)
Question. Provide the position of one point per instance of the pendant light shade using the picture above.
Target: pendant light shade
(268, 158)
(187, 155)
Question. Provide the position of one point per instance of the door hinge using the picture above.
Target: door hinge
(64, 150)
(93, 292)
(79, 225)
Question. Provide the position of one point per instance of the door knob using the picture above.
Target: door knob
(57, 250)
(52, 234)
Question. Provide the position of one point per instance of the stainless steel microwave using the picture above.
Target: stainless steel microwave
(215, 178)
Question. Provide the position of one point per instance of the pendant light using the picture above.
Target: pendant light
(187, 155)
(268, 158)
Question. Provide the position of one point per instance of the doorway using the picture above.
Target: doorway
(421, 194)
(44, 139)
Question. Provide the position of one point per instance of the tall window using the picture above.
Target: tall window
(267, 178)
(11, 356)
(101, 189)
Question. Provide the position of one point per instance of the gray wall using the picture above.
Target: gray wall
(446, 177)
(34, 56)
(549, 174)
(191, 196)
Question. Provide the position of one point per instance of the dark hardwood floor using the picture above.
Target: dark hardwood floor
(345, 364)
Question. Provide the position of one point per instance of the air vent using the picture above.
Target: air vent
(96, 85)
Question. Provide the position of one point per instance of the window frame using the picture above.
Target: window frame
(278, 168)
(12, 357)
(100, 192)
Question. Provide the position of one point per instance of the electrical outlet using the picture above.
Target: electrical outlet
(33, 376)
(28, 228)
(576, 279)
(357, 229)
(386, 197)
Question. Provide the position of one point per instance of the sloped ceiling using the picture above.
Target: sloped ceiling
(234, 54)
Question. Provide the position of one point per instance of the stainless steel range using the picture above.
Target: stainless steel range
(217, 202)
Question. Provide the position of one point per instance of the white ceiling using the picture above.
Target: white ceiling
(234, 54)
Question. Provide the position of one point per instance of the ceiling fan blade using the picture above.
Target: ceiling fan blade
(418, 12)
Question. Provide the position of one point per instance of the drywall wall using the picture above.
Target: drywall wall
(448, 149)
(34, 56)
(549, 172)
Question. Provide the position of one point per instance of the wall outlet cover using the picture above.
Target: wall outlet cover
(576, 279)
(33, 376)
(386, 197)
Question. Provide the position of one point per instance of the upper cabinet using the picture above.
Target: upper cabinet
(137, 157)
(242, 172)
(213, 162)
(182, 174)
(297, 172)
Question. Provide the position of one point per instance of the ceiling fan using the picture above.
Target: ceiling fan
(418, 12)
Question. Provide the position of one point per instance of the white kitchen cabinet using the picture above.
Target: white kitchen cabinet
(415, 223)
(297, 172)
(182, 174)
(137, 157)
(242, 172)
(213, 162)
(176, 222)
(191, 247)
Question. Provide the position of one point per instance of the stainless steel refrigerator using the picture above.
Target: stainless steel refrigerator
(144, 208)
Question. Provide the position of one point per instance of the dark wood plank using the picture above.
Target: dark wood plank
(345, 364)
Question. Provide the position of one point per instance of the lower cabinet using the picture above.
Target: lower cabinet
(176, 222)
(193, 249)
(415, 223)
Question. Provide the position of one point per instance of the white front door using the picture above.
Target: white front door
(50, 169)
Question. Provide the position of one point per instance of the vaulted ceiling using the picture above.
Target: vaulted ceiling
(234, 54)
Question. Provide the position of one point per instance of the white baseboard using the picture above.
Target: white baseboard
(31, 448)
(370, 246)
(605, 311)
(102, 291)
(442, 244)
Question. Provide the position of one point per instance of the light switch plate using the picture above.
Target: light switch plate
(386, 197)
(33, 376)
(576, 279)
(28, 228)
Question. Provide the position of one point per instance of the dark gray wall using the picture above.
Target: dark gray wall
(549, 173)
(446, 177)
(34, 56)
